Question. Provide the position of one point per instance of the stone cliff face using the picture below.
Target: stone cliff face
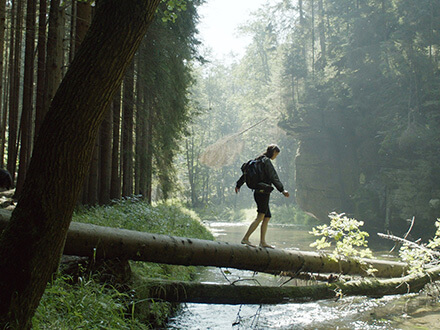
(347, 169)
(326, 175)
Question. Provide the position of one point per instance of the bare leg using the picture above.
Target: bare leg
(263, 234)
(252, 227)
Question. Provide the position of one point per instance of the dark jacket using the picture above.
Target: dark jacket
(268, 173)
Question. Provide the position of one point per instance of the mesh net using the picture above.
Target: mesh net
(223, 152)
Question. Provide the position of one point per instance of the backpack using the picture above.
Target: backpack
(252, 172)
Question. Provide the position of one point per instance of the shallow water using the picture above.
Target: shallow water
(390, 312)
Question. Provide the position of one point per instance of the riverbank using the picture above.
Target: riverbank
(87, 302)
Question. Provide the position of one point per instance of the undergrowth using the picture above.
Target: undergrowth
(89, 304)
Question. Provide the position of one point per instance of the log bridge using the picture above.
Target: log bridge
(110, 243)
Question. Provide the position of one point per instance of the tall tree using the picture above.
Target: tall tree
(165, 69)
(105, 157)
(115, 180)
(41, 66)
(28, 93)
(54, 53)
(127, 151)
(2, 58)
(14, 86)
(38, 227)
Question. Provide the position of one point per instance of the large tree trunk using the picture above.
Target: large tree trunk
(253, 294)
(36, 233)
(110, 243)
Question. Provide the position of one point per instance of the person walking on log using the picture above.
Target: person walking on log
(268, 176)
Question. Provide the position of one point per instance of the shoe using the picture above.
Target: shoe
(246, 242)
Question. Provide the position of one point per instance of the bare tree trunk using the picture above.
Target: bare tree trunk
(2, 57)
(41, 68)
(28, 92)
(148, 166)
(321, 28)
(252, 294)
(14, 89)
(142, 129)
(127, 132)
(111, 243)
(37, 231)
(82, 24)
(115, 183)
(105, 157)
(73, 20)
(5, 104)
(140, 116)
(93, 179)
(54, 53)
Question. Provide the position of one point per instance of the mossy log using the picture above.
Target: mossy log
(247, 294)
(110, 243)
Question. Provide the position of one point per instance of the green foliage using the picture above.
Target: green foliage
(423, 256)
(435, 242)
(85, 305)
(346, 235)
(173, 6)
(92, 305)
(164, 72)
(169, 218)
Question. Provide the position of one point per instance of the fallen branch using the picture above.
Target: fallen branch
(409, 243)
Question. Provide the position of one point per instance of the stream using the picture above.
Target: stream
(415, 311)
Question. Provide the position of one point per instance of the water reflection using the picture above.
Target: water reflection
(391, 312)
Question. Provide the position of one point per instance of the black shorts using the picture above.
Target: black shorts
(262, 200)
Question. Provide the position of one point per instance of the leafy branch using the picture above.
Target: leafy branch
(418, 256)
(348, 238)
(172, 7)
(345, 234)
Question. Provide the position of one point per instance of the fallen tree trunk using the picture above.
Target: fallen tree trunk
(247, 294)
(110, 243)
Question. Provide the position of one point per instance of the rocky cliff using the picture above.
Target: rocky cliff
(384, 181)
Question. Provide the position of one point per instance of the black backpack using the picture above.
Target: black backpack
(252, 172)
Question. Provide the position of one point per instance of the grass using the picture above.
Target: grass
(89, 304)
